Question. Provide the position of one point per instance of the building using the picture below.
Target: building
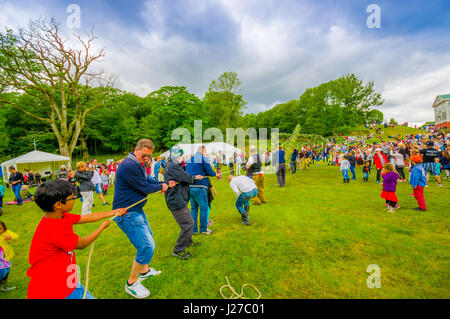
(442, 111)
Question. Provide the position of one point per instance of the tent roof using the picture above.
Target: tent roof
(211, 148)
(35, 157)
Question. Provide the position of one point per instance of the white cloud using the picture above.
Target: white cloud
(276, 52)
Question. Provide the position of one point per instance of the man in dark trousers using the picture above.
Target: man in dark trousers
(177, 198)
(280, 161)
(428, 155)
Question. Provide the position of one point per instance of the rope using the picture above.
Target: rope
(234, 294)
(92, 249)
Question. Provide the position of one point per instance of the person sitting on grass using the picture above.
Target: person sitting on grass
(245, 188)
(418, 181)
(52, 271)
(390, 177)
(4, 272)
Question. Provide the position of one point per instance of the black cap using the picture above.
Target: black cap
(430, 143)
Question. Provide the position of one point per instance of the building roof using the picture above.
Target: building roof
(442, 97)
(35, 157)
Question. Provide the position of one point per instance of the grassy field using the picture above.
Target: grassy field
(314, 238)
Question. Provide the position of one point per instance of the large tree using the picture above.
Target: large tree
(223, 102)
(41, 62)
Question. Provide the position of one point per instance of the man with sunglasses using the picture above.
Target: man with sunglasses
(131, 186)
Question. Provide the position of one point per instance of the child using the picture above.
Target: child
(4, 272)
(210, 192)
(366, 170)
(418, 181)
(105, 181)
(53, 269)
(2, 193)
(6, 254)
(37, 177)
(345, 167)
(161, 174)
(437, 166)
(390, 177)
(6, 236)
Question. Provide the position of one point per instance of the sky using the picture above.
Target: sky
(278, 48)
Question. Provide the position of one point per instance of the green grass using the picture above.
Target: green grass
(314, 238)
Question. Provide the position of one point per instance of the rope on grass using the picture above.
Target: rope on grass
(92, 249)
(234, 294)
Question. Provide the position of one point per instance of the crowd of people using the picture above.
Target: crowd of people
(187, 180)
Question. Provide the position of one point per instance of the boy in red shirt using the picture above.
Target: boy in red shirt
(53, 270)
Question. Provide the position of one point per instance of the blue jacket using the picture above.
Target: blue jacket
(417, 176)
(279, 157)
(294, 155)
(132, 185)
(199, 165)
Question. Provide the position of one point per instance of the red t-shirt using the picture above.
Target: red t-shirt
(52, 258)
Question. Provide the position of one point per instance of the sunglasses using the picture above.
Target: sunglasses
(146, 155)
(64, 201)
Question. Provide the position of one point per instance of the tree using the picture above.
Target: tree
(40, 61)
(223, 102)
(171, 107)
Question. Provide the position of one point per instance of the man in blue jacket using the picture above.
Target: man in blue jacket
(280, 161)
(294, 160)
(131, 186)
(199, 165)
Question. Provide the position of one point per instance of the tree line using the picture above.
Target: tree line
(51, 93)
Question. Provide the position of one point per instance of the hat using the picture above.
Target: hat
(176, 152)
(430, 143)
(416, 159)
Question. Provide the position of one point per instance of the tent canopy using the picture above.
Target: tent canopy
(211, 149)
(46, 163)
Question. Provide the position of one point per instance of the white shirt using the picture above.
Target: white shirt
(242, 184)
(238, 160)
(96, 179)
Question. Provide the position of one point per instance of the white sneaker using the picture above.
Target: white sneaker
(137, 290)
(151, 272)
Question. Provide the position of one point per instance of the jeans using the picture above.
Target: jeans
(1, 201)
(345, 174)
(199, 199)
(16, 189)
(242, 200)
(293, 166)
(79, 292)
(135, 225)
(352, 169)
(366, 176)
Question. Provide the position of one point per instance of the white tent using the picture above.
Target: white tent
(46, 163)
(211, 149)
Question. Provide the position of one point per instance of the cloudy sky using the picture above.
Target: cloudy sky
(278, 48)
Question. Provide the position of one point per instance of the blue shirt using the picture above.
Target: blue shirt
(279, 157)
(132, 185)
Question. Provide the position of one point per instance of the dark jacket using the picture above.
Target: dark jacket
(132, 184)
(352, 160)
(177, 197)
(84, 178)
